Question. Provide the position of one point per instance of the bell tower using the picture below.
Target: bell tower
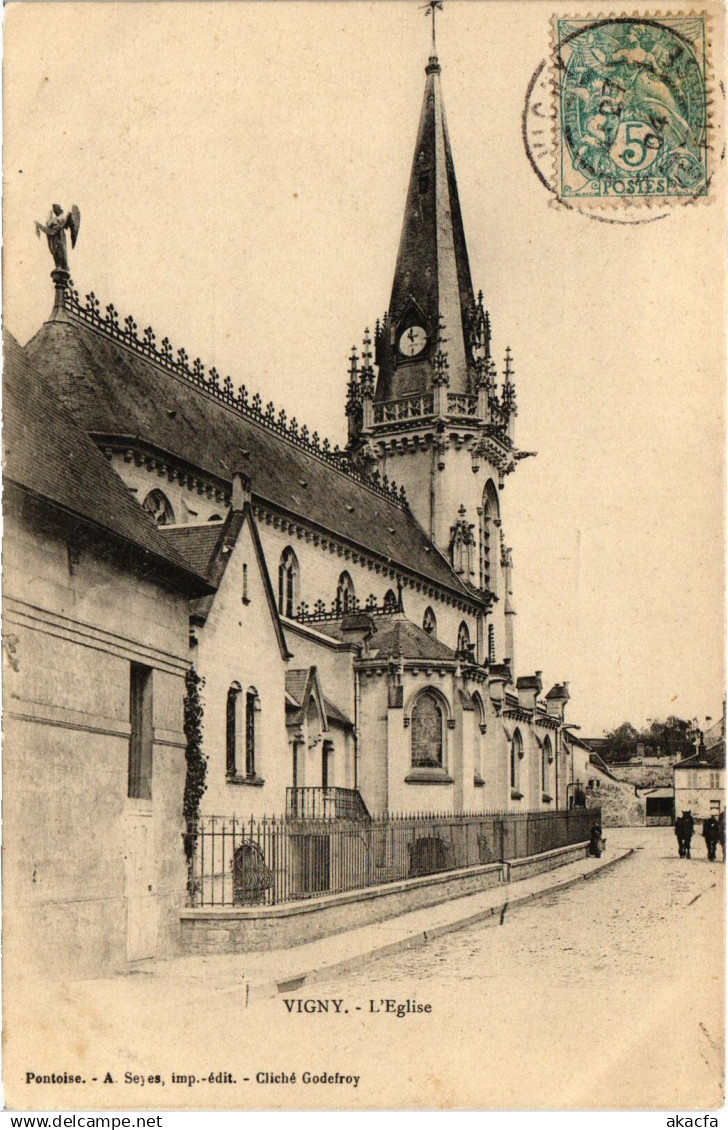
(434, 415)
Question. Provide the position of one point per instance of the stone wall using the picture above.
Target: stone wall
(243, 929)
(645, 776)
(76, 622)
(620, 807)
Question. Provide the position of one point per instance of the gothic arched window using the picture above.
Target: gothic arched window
(391, 604)
(252, 712)
(516, 758)
(233, 728)
(288, 573)
(158, 505)
(463, 638)
(546, 759)
(480, 731)
(345, 595)
(489, 524)
(429, 622)
(457, 552)
(428, 728)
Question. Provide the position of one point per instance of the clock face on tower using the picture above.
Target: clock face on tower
(412, 341)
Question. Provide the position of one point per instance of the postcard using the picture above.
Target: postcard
(364, 419)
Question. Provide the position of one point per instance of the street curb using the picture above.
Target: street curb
(263, 990)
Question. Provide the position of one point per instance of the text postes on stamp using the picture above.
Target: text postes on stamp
(632, 108)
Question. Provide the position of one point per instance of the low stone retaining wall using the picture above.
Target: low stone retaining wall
(242, 929)
(535, 864)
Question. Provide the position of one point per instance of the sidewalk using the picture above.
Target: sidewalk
(256, 976)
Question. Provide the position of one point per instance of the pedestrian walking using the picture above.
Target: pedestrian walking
(679, 836)
(595, 841)
(721, 833)
(710, 835)
(684, 828)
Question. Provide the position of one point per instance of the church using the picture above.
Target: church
(348, 614)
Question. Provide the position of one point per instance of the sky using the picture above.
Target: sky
(241, 171)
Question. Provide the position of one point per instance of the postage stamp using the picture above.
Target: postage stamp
(631, 115)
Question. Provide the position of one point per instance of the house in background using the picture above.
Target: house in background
(700, 782)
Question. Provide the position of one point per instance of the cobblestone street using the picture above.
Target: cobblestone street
(627, 923)
(607, 994)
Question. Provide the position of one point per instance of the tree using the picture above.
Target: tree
(621, 744)
(669, 739)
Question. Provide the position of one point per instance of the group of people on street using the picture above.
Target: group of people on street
(713, 834)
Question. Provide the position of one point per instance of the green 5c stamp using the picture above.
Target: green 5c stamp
(632, 108)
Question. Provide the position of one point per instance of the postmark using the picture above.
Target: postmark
(631, 117)
(538, 132)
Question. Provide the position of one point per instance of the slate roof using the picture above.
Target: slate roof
(397, 636)
(570, 736)
(432, 276)
(208, 548)
(46, 454)
(297, 682)
(394, 635)
(195, 543)
(113, 390)
(594, 743)
(713, 758)
(529, 683)
(601, 765)
(336, 715)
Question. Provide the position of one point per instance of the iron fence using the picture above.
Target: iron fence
(317, 803)
(272, 861)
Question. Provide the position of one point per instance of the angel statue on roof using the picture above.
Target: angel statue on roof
(55, 229)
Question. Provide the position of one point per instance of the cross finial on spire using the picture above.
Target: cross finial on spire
(430, 9)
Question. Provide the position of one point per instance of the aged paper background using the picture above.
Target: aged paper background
(241, 171)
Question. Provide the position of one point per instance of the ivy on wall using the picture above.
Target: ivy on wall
(195, 780)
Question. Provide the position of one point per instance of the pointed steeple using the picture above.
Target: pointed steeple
(432, 283)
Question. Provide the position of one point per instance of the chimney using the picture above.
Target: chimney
(529, 688)
(357, 628)
(556, 701)
(499, 676)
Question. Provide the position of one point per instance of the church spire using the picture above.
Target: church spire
(432, 283)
